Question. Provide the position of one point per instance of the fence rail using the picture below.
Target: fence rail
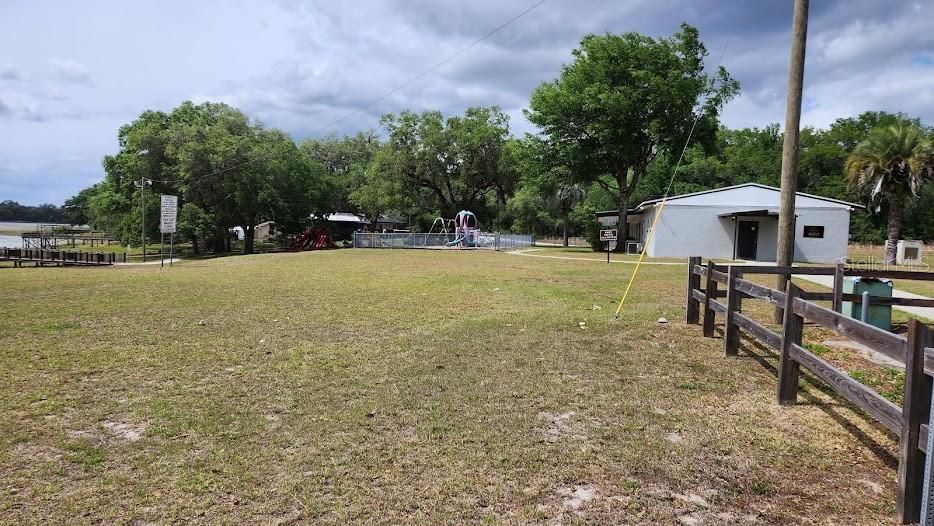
(40, 257)
(482, 240)
(907, 421)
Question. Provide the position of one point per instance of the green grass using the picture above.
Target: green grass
(401, 387)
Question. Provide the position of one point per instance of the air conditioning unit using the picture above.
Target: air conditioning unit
(909, 252)
(634, 247)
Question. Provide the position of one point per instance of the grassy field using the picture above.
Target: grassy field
(415, 387)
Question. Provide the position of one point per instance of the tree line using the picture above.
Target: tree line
(44, 213)
(611, 127)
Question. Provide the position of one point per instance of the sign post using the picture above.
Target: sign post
(608, 236)
(167, 225)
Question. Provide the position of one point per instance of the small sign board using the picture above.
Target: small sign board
(608, 235)
(813, 231)
(169, 214)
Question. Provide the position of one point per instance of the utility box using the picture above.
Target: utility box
(879, 315)
(909, 252)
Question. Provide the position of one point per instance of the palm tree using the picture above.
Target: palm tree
(568, 196)
(892, 164)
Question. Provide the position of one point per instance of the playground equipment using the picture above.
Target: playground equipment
(462, 232)
(466, 233)
(314, 239)
(444, 225)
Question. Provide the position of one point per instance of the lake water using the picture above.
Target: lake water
(8, 229)
(11, 241)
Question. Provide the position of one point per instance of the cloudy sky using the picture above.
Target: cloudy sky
(72, 72)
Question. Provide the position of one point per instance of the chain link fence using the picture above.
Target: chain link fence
(482, 240)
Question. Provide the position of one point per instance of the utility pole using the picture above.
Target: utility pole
(142, 198)
(786, 214)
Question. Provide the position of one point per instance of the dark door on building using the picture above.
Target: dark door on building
(747, 241)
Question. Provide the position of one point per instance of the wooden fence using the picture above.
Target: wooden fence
(908, 422)
(19, 256)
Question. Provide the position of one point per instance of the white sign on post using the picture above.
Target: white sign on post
(608, 235)
(169, 214)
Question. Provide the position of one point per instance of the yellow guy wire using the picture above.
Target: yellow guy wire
(645, 247)
(674, 173)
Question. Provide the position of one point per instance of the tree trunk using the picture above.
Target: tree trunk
(565, 219)
(622, 227)
(893, 229)
(219, 242)
(194, 245)
(249, 235)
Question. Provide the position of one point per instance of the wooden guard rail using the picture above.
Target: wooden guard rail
(908, 422)
(57, 257)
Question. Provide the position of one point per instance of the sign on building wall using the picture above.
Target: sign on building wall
(169, 214)
(813, 231)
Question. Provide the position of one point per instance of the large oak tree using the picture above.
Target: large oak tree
(447, 164)
(624, 99)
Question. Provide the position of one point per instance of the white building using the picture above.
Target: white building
(738, 222)
(265, 231)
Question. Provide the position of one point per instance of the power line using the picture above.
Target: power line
(432, 68)
(674, 173)
(391, 92)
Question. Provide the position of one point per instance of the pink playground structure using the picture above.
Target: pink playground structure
(466, 233)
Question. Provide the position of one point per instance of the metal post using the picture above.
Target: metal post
(927, 507)
(161, 249)
(171, 247)
(142, 198)
(864, 312)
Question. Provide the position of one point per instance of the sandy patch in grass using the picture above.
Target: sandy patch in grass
(38, 453)
(125, 431)
(561, 425)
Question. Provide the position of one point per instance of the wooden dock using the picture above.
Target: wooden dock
(41, 258)
(48, 239)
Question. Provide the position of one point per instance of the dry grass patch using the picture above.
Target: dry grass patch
(416, 387)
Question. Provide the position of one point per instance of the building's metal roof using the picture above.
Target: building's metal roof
(651, 202)
(343, 217)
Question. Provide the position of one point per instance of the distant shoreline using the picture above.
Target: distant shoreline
(15, 228)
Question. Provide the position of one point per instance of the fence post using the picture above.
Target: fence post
(916, 410)
(838, 288)
(693, 306)
(733, 304)
(792, 329)
(711, 290)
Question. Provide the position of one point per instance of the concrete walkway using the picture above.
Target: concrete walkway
(138, 263)
(528, 253)
(924, 312)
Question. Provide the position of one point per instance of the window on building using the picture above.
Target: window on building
(813, 231)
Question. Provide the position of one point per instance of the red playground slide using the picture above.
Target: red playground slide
(314, 239)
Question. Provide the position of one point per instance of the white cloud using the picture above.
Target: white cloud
(69, 71)
(301, 65)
